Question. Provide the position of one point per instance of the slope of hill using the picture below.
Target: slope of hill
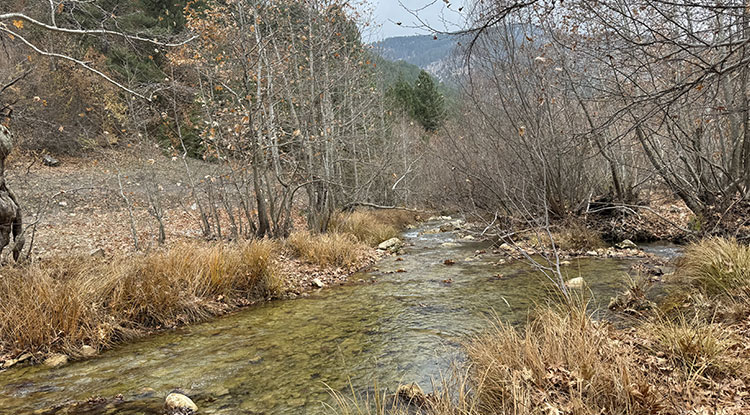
(418, 50)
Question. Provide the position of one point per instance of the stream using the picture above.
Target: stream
(281, 357)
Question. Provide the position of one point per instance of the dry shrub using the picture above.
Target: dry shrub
(372, 227)
(696, 346)
(60, 304)
(327, 249)
(716, 266)
(562, 361)
(573, 236)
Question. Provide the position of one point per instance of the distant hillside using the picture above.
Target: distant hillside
(426, 52)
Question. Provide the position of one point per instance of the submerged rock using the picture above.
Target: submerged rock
(391, 245)
(56, 360)
(179, 404)
(412, 394)
(576, 283)
(626, 244)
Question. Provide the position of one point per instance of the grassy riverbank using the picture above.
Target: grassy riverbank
(687, 355)
(61, 304)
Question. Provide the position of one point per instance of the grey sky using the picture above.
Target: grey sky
(434, 12)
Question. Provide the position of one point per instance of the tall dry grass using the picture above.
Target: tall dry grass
(696, 346)
(60, 304)
(372, 227)
(716, 266)
(328, 249)
(562, 361)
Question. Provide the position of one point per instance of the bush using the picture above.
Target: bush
(328, 249)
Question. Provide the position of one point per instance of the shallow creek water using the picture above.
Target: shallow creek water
(281, 357)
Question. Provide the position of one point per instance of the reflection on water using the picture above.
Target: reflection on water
(280, 358)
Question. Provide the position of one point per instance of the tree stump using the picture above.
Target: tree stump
(11, 220)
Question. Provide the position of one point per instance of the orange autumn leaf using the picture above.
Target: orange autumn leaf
(18, 24)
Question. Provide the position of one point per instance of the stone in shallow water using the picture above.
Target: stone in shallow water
(179, 404)
(577, 282)
(56, 360)
(626, 244)
(393, 244)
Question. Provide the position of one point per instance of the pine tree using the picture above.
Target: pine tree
(428, 103)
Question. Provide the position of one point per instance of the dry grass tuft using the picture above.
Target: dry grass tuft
(717, 266)
(372, 227)
(570, 237)
(60, 304)
(695, 346)
(329, 249)
(563, 361)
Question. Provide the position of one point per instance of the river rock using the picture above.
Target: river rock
(56, 360)
(431, 231)
(88, 351)
(391, 245)
(179, 404)
(317, 283)
(592, 253)
(576, 283)
(412, 394)
(626, 244)
(50, 161)
(98, 253)
(12, 362)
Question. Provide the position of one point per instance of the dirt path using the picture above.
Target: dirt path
(78, 206)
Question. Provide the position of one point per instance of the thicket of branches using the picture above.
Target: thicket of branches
(282, 97)
(575, 105)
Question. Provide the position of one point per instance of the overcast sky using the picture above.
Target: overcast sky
(433, 12)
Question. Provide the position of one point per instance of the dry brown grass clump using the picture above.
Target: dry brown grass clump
(328, 249)
(60, 304)
(569, 237)
(372, 227)
(696, 346)
(562, 361)
(717, 266)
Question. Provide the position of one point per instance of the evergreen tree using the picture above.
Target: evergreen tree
(401, 96)
(428, 103)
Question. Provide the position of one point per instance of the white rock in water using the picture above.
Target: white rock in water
(56, 360)
(577, 282)
(626, 244)
(318, 283)
(177, 403)
(392, 244)
(592, 253)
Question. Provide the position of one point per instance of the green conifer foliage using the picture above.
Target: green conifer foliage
(428, 103)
